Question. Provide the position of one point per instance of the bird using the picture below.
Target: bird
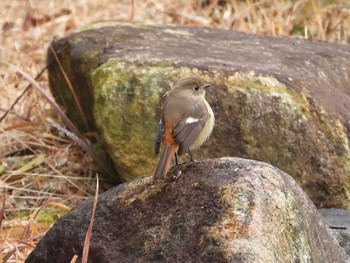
(186, 122)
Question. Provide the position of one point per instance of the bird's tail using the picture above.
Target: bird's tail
(163, 165)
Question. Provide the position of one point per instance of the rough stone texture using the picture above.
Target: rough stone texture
(222, 210)
(339, 221)
(282, 101)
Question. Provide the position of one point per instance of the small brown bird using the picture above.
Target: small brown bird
(186, 122)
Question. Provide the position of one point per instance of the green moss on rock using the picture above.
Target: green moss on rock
(127, 99)
(287, 129)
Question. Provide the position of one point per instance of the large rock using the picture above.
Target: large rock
(283, 101)
(223, 210)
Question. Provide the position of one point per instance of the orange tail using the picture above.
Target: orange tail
(163, 165)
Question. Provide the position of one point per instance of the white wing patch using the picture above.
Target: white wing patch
(191, 120)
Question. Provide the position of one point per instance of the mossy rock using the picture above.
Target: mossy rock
(282, 101)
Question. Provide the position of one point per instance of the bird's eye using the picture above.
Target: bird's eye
(196, 88)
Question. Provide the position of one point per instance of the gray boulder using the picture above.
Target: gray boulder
(282, 101)
(222, 210)
(339, 222)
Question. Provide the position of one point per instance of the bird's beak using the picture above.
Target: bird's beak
(207, 86)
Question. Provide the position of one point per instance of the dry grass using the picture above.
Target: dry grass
(42, 171)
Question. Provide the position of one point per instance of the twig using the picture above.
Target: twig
(87, 148)
(89, 230)
(74, 259)
(22, 94)
(9, 255)
(48, 98)
(70, 86)
(3, 207)
(338, 227)
(74, 134)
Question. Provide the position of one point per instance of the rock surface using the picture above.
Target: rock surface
(223, 210)
(282, 101)
(339, 221)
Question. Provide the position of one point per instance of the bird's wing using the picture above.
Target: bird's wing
(159, 137)
(187, 131)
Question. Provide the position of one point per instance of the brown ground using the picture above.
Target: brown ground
(43, 169)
